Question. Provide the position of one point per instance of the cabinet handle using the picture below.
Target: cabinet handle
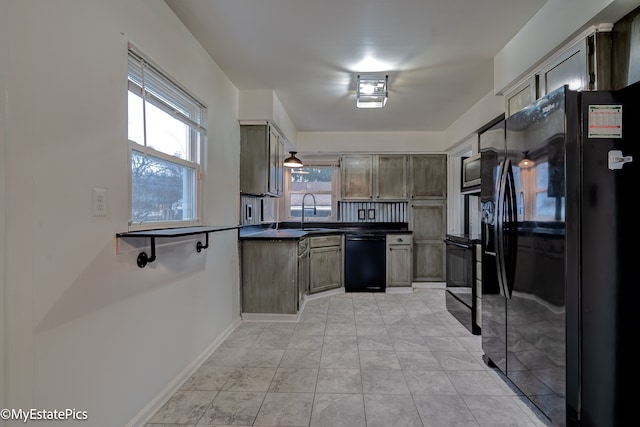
(400, 239)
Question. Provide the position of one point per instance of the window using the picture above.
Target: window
(166, 132)
(318, 180)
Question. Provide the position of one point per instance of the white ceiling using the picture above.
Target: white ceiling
(438, 54)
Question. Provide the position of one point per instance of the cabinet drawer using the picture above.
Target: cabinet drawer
(303, 246)
(399, 239)
(322, 241)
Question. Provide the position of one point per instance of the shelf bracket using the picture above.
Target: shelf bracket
(143, 258)
(200, 247)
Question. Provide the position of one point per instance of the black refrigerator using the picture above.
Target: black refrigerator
(561, 234)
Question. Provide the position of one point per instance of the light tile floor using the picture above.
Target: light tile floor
(353, 359)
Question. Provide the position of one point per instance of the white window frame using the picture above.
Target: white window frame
(335, 186)
(196, 121)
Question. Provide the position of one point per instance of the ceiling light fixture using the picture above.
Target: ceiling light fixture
(372, 91)
(292, 161)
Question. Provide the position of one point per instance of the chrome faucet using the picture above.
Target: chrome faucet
(314, 208)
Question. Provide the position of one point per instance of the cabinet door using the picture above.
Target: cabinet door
(254, 159)
(269, 277)
(399, 259)
(428, 176)
(521, 96)
(356, 177)
(325, 268)
(429, 224)
(568, 68)
(391, 177)
(275, 163)
(280, 167)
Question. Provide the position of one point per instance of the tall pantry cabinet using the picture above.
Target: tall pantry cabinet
(428, 215)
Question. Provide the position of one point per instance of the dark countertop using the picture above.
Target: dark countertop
(292, 230)
(285, 234)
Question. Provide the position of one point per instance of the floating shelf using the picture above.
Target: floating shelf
(144, 259)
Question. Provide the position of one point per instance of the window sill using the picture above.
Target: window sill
(144, 259)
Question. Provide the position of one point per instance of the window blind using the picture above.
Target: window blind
(149, 82)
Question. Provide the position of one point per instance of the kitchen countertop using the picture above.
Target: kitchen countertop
(293, 231)
(283, 233)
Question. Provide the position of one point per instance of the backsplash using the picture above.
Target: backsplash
(373, 211)
(249, 210)
(257, 210)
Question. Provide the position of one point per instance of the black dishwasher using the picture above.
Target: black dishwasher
(365, 267)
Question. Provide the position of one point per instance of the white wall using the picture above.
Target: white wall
(3, 180)
(263, 105)
(482, 112)
(87, 328)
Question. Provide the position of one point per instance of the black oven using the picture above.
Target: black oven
(462, 294)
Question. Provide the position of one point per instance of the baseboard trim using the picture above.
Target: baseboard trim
(429, 285)
(161, 398)
(270, 317)
(324, 294)
(399, 290)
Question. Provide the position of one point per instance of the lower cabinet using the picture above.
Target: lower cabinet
(325, 263)
(399, 260)
(276, 274)
(270, 276)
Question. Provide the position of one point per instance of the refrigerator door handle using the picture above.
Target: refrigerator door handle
(499, 228)
(511, 232)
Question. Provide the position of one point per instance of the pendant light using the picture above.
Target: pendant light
(292, 161)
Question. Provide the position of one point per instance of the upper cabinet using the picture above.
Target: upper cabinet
(568, 68)
(427, 176)
(261, 157)
(521, 96)
(357, 172)
(374, 177)
(582, 65)
(390, 177)
(625, 40)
